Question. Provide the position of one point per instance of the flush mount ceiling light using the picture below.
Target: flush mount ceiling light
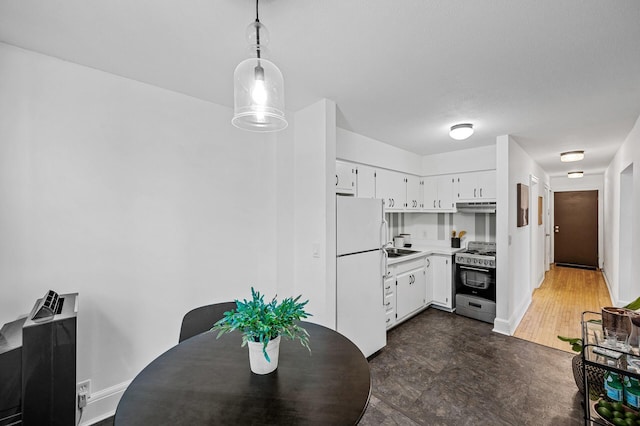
(569, 156)
(461, 132)
(576, 174)
(258, 89)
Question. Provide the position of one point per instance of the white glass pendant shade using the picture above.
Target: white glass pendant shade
(258, 88)
(258, 96)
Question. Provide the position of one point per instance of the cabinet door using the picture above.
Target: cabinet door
(442, 294)
(445, 193)
(365, 182)
(466, 187)
(410, 292)
(345, 178)
(414, 193)
(487, 185)
(392, 188)
(430, 193)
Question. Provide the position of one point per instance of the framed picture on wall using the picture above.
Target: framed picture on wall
(539, 210)
(523, 205)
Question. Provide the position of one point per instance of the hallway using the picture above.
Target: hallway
(557, 304)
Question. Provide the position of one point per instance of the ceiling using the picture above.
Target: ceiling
(556, 75)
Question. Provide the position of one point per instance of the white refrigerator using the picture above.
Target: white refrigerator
(360, 266)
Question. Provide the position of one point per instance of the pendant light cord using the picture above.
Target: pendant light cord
(257, 32)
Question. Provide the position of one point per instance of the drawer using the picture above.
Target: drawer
(399, 268)
(389, 288)
(390, 319)
(390, 303)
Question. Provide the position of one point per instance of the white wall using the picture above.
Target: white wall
(465, 160)
(146, 202)
(314, 221)
(622, 290)
(514, 272)
(586, 183)
(354, 147)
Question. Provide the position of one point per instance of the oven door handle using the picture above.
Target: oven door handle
(474, 269)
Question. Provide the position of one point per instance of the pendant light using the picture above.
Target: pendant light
(258, 88)
(461, 132)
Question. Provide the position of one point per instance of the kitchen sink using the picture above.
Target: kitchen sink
(398, 252)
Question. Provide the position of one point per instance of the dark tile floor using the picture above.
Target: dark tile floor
(443, 369)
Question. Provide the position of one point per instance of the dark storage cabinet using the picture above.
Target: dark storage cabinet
(11, 372)
(43, 378)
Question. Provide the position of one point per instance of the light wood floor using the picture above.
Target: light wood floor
(558, 303)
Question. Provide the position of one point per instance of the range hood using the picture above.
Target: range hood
(477, 207)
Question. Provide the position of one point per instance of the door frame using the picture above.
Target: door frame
(533, 232)
(547, 227)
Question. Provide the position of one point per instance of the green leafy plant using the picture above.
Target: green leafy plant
(575, 342)
(262, 322)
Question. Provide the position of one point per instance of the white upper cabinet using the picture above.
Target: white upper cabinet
(345, 178)
(476, 186)
(392, 188)
(365, 182)
(438, 193)
(414, 193)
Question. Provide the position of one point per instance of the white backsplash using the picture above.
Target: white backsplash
(436, 228)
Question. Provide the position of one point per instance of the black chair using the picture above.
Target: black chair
(201, 319)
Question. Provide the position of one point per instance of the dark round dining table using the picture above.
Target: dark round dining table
(208, 381)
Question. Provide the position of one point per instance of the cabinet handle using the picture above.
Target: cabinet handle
(480, 192)
(428, 262)
(439, 203)
(387, 287)
(388, 320)
(434, 204)
(337, 180)
(474, 192)
(387, 304)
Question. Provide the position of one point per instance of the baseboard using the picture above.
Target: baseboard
(606, 281)
(508, 327)
(103, 404)
(501, 326)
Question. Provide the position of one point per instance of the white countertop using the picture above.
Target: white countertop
(424, 250)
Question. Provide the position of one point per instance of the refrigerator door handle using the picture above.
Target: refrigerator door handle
(385, 257)
(384, 235)
(384, 232)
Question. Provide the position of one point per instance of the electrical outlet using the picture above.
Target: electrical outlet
(83, 390)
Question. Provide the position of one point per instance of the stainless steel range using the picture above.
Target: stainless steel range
(476, 281)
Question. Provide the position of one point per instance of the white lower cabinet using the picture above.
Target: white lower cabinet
(408, 282)
(441, 274)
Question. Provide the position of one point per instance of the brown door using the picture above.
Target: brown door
(576, 228)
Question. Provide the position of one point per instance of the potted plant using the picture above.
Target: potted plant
(262, 326)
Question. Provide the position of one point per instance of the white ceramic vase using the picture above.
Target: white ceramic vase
(258, 362)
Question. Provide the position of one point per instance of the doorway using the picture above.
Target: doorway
(576, 229)
(626, 289)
